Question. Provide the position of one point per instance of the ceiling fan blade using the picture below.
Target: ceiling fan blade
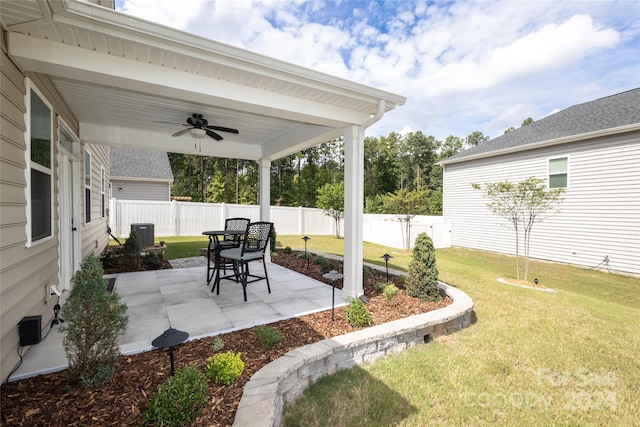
(180, 132)
(213, 135)
(171, 123)
(222, 129)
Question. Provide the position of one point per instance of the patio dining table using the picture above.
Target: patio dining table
(215, 247)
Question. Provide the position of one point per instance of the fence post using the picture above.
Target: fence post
(301, 221)
(174, 218)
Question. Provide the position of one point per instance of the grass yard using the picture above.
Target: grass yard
(531, 358)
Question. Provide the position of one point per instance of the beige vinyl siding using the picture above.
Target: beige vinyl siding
(24, 271)
(140, 190)
(600, 215)
(94, 234)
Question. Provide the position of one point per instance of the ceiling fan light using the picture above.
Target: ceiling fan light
(197, 133)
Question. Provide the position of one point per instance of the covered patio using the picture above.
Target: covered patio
(180, 298)
(130, 82)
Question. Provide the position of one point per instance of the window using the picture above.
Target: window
(87, 187)
(40, 184)
(559, 172)
(102, 184)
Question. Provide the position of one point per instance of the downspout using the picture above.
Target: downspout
(372, 120)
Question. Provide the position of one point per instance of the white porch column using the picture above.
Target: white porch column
(353, 208)
(264, 196)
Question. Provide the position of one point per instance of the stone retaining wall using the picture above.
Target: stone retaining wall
(287, 377)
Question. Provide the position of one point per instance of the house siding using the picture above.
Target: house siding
(140, 190)
(23, 287)
(600, 214)
(94, 233)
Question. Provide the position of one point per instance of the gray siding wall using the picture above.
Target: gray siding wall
(600, 215)
(26, 271)
(94, 233)
(140, 190)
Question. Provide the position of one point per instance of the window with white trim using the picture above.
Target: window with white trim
(102, 185)
(559, 172)
(87, 187)
(40, 185)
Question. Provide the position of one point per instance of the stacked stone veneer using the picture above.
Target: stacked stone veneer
(286, 378)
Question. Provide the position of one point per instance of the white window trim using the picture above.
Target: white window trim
(27, 171)
(568, 169)
(87, 186)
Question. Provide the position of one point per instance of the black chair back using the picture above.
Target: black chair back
(257, 237)
(236, 224)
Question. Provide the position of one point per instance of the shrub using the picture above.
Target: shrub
(272, 239)
(379, 287)
(131, 251)
(422, 281)
(225, 368)
(179, 400)
(390, 292)
(218, 344)
(356, 313)
(269, 336)
(287, 250)
(153, 260)
(366, 272)
(95, 318)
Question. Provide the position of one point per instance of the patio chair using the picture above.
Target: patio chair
(231, 240)
(253, 247)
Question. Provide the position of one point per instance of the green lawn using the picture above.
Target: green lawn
(531, 358)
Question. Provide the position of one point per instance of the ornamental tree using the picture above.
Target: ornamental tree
(331, 200)
(522, 204)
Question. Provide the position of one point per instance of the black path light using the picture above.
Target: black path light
(333, 275)
(306, 238)
(387, 257)
(169, 339)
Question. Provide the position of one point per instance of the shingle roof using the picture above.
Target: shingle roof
(127, 162)
(604, 113)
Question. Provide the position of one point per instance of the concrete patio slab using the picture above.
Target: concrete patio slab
(180, 298)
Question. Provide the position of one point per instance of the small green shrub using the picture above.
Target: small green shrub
(218, 344)
(131, 252)
(269, 336)
(153, 260)
(390, 292)
(320, 260)
(379, 287)
(356, 313)
(287, 250)
(94, 320)
(302, 255)
(422, 281)
(272, 239)
(225, 368)
(179, 400)
(401, 282)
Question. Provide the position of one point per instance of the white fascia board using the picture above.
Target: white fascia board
(547, 143)
(81, 64)
(138, 179)
(118, 136)
(301, 138)
(117, 24)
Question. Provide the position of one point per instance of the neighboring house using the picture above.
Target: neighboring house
(139, 174)
(593, 151)
(79, 77)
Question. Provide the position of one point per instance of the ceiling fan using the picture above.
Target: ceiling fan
(199, 127)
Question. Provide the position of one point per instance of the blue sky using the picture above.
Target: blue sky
(463, 66)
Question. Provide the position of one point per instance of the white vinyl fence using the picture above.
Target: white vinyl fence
(191, 219)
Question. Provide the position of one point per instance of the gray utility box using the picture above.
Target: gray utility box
(145, 234)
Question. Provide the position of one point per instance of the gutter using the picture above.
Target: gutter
(375, 118)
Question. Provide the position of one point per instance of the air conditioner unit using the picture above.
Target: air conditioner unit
(145, 234)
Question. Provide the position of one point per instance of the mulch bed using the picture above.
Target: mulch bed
(51, 400)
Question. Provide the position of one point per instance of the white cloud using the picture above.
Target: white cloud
(464, 66)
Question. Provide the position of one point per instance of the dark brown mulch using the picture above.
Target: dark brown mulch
(50, 400)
